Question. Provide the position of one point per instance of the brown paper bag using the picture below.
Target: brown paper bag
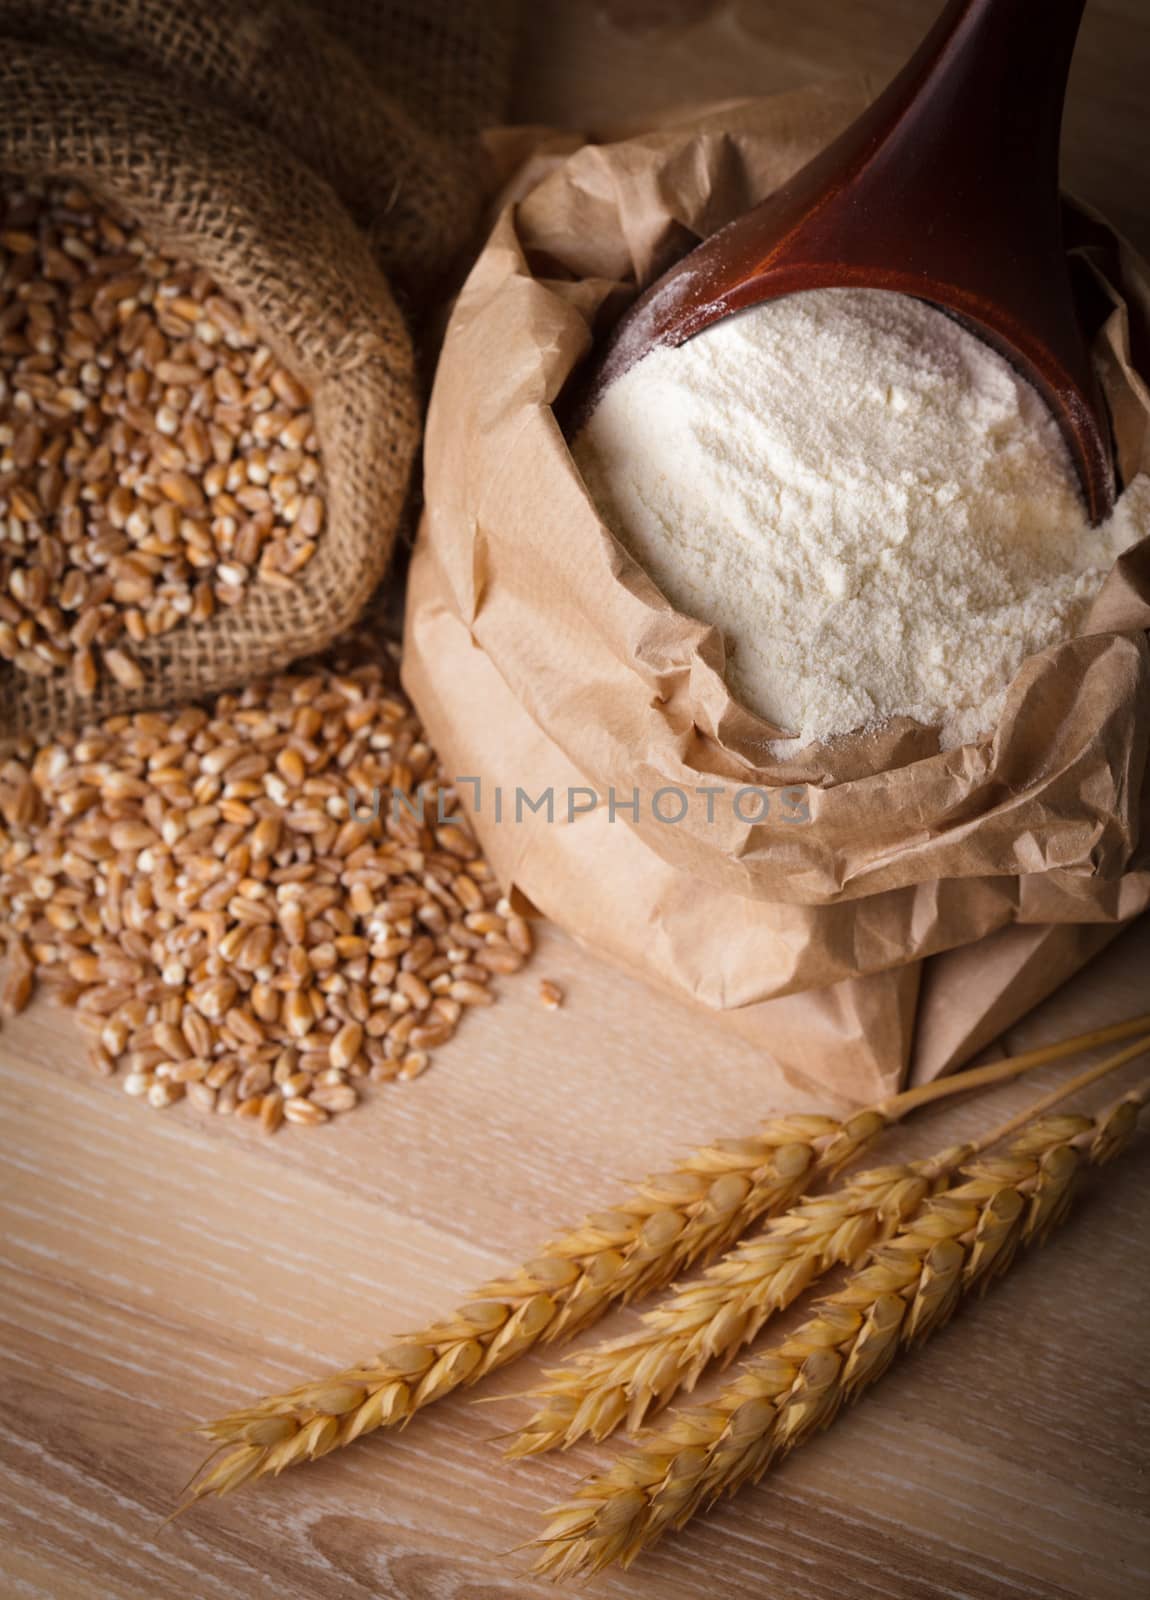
(542, 657)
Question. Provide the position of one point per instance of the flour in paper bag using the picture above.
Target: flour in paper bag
(875, 509)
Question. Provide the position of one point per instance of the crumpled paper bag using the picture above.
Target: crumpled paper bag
(541, 657)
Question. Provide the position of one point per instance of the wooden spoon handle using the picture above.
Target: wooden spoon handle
(966, 138)
(945, 188)
(984, 91)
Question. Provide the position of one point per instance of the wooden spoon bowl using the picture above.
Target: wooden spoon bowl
(946, 188)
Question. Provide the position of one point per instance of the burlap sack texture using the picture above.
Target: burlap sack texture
(382, 98)
(283, 146)
(276, 238)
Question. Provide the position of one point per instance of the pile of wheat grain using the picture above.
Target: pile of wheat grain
(192, 882)
(155, 459)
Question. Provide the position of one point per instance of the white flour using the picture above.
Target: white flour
(877, 512)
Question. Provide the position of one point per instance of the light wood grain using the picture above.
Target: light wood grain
(162, 1268)
(158, 1269)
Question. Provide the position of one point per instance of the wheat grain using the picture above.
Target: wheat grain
(550, 994)
(155, 461)
(958, 1242)
(193, 883)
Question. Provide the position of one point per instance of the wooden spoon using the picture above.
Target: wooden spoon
(945, 188)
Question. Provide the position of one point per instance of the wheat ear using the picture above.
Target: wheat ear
(959, 1241)
(669, 1222)
(622, 1380)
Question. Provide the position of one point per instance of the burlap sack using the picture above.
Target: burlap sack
(282, 145)
(539, 654)
(275, 238)
(382, 98)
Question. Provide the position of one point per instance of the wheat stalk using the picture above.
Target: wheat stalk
(959, 1241)
(669, 1222)
(622, 1380)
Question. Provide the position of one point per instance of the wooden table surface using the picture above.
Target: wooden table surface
(161, 1268)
